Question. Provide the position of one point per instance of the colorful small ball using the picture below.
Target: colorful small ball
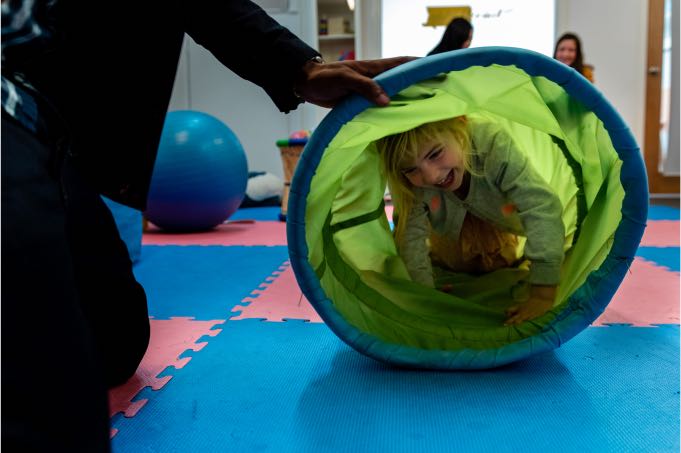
(300, 134)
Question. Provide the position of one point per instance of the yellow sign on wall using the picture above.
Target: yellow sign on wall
(443, 15)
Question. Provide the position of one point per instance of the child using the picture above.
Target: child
(468, 182)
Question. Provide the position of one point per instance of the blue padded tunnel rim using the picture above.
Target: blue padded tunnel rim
(583, 306)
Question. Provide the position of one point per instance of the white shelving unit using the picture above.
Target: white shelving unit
(337, 37)
(339, 40)
(365, 41)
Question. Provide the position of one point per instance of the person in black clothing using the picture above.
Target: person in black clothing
(74, 318)
(457, 35)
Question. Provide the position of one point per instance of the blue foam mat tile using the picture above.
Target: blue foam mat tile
(667, 326)
(295, 387)
(204, 282)
(237, 313)
(268, 213)
(663, 213)
(662, 256)
(121, 422)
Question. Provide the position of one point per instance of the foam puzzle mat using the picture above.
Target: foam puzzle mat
(239, 361)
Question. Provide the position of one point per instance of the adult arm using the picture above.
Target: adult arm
(257, 48)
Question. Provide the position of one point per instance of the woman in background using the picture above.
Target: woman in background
(569, 51)
(457, 35)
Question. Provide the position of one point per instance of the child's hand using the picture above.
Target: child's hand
(540, 301)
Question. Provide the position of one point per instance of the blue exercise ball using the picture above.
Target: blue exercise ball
(200, 174)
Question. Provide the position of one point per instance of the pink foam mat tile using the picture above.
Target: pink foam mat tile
(649, 295)
(661, 233)
(277, 299)
(169, 339)
(229, 233)
(389, 211)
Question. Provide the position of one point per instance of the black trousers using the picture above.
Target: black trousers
(74, 319)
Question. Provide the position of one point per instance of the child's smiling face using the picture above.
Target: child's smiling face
(439, 164)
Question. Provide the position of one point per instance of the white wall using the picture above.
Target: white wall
(613, 32)
(367, 16)
(614, 39)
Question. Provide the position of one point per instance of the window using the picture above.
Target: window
(529, 24)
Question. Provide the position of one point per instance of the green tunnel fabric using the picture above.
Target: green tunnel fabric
(349, 238)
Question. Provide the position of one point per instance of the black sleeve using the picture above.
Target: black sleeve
(251, 44)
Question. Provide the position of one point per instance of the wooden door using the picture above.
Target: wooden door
(657, 182)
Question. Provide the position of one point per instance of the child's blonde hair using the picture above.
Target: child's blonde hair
(400, 150)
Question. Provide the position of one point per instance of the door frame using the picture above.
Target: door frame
(657, 182)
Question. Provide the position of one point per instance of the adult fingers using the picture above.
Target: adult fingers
(367, 88)
(372, 68)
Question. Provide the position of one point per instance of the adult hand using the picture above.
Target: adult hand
(326, 84)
